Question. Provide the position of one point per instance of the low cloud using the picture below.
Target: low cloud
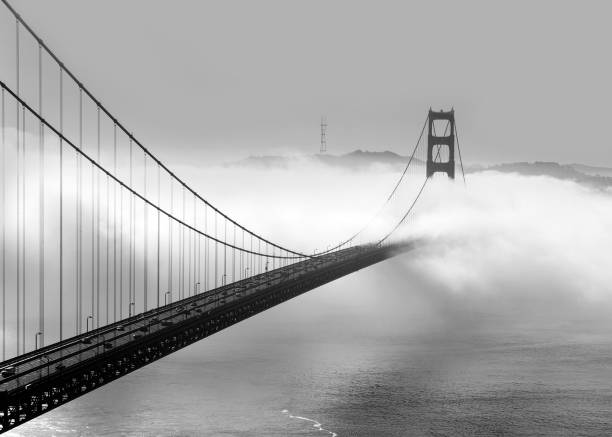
(503, 249)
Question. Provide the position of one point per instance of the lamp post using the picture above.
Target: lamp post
(39, 333)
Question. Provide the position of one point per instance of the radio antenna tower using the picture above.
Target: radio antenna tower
(323, 134)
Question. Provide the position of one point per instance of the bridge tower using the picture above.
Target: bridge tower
(441, 139)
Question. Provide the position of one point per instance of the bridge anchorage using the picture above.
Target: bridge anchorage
(444, 143)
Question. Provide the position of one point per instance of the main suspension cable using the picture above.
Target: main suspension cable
(459, 150)
(133, 192)
(130, 135)
(389, 197)
(382, 240)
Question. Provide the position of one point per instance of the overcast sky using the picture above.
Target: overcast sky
(225, 79)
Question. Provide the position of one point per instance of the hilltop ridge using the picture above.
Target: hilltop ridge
(360, 159)
(353, 160)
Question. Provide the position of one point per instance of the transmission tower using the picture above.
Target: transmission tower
(323, 134)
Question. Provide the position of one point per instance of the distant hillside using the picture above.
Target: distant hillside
(354, 160)
(359, 159)
(593, 171)
(555, 170)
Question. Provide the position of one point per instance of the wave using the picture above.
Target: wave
(315, 424)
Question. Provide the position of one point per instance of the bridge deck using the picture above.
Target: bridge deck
(51, 376)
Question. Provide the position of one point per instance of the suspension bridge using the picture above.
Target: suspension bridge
(110, 261)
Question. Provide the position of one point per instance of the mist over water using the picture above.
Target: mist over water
(497, 323)
(530, 247)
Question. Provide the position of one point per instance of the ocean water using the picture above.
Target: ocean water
(342, 361)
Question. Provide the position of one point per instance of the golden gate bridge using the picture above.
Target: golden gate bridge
(111, 261)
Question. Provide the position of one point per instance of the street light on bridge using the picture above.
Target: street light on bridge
(87, 323)
(39, 333)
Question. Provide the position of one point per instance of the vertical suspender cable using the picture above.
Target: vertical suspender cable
(23, 233)
(107, 311)
(199, 243)
(130, 301)
(195, 245)
(3, 194)
(93, 258)
(134, 242)
(195, 236)
(206, 277)
(216, 254)
(61, 207)
(189, 237)
(194, 251)
(18, 249)
(182, 250)
(180, 258)
(115, 225)
(158, 231)
(41, 212)
(79, 220)
(121, 220)
(146, 237)
(97, 197)
(189, 285)
(183, 244)
(170, 237)
(215, 260)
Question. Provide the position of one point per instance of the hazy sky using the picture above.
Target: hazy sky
(223, 79)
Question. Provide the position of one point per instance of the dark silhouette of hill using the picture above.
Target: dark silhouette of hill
(356, 160)
(593, 171)
(359, 160)
(556, 170)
